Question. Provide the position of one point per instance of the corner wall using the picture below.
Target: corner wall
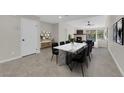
(9, 37)
(55, 30)
(64, 30)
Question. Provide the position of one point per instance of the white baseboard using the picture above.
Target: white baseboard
(38, 51)
(116, 62)
(3, 61)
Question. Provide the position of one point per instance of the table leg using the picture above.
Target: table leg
(69, 60)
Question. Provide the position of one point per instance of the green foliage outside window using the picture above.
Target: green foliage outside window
(91, 35)
(100, 34)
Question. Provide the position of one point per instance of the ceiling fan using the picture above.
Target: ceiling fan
(89, 23)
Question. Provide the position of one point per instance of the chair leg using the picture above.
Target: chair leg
(82, 69)
(70, 68)
(52, 58)
(91, 54)
(86, 62)
(56, 59)
(89, 58)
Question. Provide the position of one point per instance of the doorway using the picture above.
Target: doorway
(29, 37)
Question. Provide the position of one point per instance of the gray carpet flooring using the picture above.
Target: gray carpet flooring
(40, 65)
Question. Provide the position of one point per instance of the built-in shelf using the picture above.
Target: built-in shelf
(46, 43)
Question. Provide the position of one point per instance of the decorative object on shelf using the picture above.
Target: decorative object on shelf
(46, 39)
(46, 35)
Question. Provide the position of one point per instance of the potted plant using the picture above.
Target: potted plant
(72, 40)
(69, 37)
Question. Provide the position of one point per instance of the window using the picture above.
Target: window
(91, 34)
(100, 34)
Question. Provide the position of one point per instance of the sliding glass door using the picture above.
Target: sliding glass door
(91, 34)
(97, 36)
(100, 34)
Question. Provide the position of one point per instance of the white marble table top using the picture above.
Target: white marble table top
(71, 47)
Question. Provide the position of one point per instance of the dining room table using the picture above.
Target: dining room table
(66, 52)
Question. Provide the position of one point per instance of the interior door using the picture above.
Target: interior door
(29, 32)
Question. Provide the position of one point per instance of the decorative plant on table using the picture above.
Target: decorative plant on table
(69, 37)
(72, 40)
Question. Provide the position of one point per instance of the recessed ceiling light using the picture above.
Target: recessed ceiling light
(60, 17)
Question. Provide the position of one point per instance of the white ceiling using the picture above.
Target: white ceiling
(55, 18)
(96, 22)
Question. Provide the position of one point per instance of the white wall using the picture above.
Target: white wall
(10, 37)
(46, 27)
(55, 31)
(64, 30)
(116, 50)
(70, 30)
